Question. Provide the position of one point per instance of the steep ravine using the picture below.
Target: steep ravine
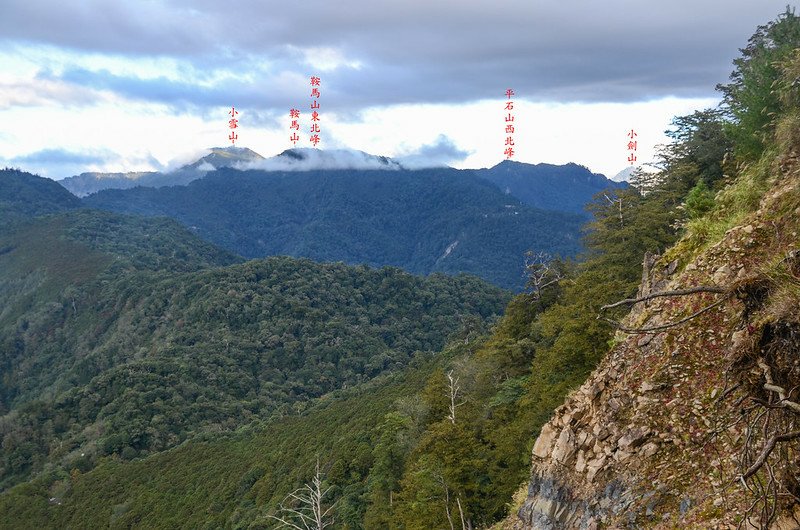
(662, 431)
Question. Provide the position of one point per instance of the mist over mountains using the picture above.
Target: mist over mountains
(351, 206)
(554, 187)
(216, 157)
(300, 159)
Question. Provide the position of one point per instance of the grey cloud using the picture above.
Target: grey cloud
(179, 94)
(442, 152)
(62, 156)
(306, 159)
(265, 106)
(146, 28)
(414, 51)
(62, 163)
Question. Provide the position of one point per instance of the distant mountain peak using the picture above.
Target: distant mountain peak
(540, 165)
(567, 187)
(624, 175)
(306, 158)
(219, 157)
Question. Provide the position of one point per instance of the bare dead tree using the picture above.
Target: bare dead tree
(677, 292)
(440, 478)
(616, 202)
(657, 329)
(303, 509)
(541, 272)
(466, 524)
(453, 394)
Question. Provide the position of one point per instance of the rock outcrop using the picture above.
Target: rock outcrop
(658, 435)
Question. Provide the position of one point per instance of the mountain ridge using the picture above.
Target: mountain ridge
(534, 184)
(402, 218)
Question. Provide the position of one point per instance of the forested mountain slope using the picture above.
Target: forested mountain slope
(692, 419)
(23, 195)
(566, 188)
(679, 414)
(437, 220)
(123, 334)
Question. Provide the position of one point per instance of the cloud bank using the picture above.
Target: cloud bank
(307, 159)
(393, 53)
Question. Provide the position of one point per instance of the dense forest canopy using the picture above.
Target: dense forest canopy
(125, 429)
(432, 220)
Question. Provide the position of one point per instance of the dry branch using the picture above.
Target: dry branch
(678, 292)
(768, 448)
(772, 387)
(664, 326)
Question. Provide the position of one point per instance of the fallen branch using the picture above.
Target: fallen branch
(663, 326)
(728, 392)
(772, 387)
(678, 292)
(768, 447)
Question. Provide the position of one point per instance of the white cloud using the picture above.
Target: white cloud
(326, 59)
(150, 137)
(305, 159)
(151, 81)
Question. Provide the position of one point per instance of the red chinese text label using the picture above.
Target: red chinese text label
(233, 123)
(509, 107)
(315, 94)
(632, 145)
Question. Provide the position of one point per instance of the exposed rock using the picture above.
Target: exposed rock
(580, 463)
(721, 275)
(565, 446)
(686, 503)
(788, 521)
(672, 267)
(648, 450)
(652, 438)
(647, 386)
(633, 438)
(595, 466)
(544, 442)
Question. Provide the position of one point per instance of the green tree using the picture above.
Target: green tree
(698, 150)
(750, 99)
(699, 200)
(390, 452)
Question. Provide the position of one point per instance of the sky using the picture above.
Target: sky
(108, 85)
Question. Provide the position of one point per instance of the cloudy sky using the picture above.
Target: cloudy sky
(134, 85)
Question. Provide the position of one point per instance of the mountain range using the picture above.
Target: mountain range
(217, 157)
(113, 324)
(551, 187)
(233, 157)
(359, 208)
(151, 379)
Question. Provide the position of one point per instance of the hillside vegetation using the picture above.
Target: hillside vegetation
(691, 420)
(23, 195)
(435, 220)
(126, 335)
(423, 461)
(679, 414)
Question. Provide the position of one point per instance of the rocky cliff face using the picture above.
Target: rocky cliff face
(661, 433)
